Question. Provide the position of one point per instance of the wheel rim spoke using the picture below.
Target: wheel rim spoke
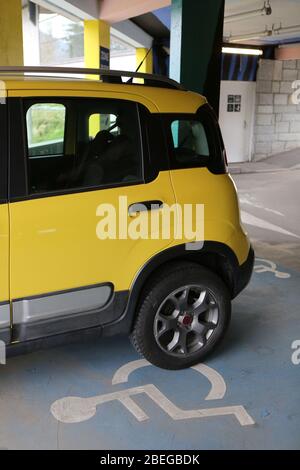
(183, 342)
(183, 299)
(202, 327)
(203, 304)
(179, 341)
(168, 323)
(174, 343)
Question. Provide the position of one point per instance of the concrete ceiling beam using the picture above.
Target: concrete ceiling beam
(128, 32)
(73, 9)
(114, 11)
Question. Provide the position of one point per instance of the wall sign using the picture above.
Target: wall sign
(234, 103)
(104, 57)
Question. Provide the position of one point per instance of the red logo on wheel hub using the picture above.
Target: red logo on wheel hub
(187, 320)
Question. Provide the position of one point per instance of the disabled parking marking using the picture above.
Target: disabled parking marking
(76, 409)
(218, 385)
(266, 266)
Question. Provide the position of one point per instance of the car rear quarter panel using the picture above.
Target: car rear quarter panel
(221, 207)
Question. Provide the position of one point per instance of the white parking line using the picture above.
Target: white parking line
(250, 219)
(246, 198)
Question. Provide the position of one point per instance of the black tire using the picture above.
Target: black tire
(161, 286)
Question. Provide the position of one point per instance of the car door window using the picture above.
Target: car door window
(102, 121)
(82, 143)
(190, 143)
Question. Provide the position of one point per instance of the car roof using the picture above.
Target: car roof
(157, 98)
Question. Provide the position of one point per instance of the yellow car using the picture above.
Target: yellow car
(117, 214)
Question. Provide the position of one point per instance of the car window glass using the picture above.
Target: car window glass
(45, 129)
(190, 141)
(102, 121)
(82, 143)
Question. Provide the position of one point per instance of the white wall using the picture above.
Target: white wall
(123, 63)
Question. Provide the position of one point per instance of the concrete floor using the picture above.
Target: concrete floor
(254, 362)
(286, 160)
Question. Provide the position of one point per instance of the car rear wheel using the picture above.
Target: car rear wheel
(183, 314)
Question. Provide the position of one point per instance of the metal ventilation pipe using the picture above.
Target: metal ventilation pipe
(287, 29)
(266, 33)
(266, 10)
(250, 36)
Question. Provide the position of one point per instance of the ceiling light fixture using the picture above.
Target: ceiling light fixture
(242, 51)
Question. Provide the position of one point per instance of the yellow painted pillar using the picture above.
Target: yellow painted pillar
(96, 55)
(96, 44)
(11, 34)
(147, 66)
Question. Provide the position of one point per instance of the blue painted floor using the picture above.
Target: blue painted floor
(254, 360)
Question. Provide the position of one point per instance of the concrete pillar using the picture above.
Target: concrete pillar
(11, 37)
(147, 66)
(196, 46)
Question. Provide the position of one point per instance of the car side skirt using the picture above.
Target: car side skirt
(62, 313)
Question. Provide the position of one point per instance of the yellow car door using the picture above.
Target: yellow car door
(75, 159)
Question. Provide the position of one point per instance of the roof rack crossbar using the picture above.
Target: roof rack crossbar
(103, 73)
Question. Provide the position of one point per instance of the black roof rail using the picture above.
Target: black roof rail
(108, 76)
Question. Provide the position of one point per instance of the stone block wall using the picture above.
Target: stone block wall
(277, 119)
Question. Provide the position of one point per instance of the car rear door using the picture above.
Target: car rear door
(61, 269)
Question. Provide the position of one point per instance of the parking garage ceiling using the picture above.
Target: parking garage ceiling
(256, 22)
(255, 27)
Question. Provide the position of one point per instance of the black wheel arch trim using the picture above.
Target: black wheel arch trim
(236, 277)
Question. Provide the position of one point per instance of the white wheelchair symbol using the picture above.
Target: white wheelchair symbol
(77, 410)
(265, 266)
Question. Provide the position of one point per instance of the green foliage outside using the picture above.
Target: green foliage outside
(45, 122)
